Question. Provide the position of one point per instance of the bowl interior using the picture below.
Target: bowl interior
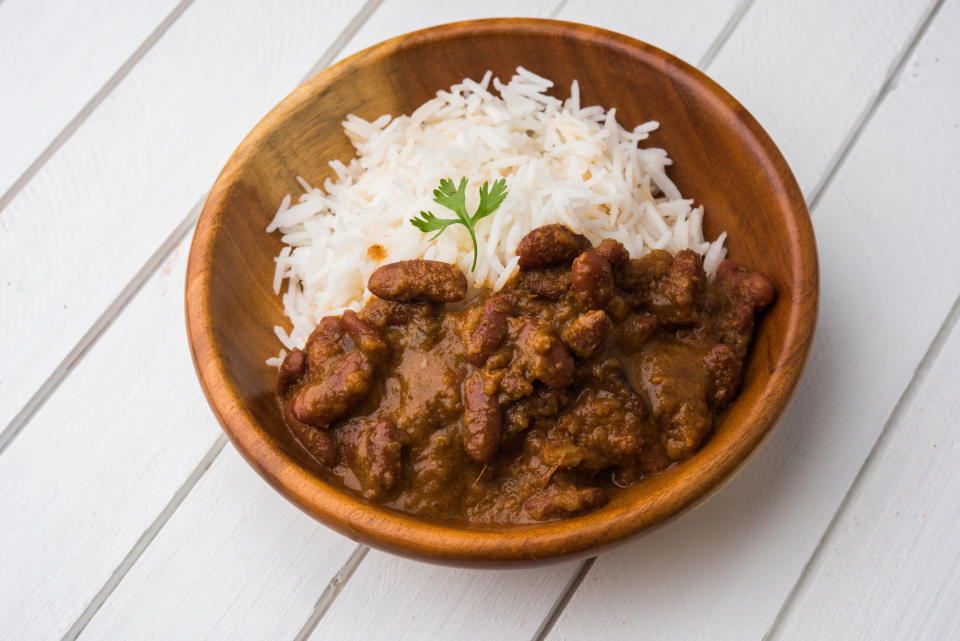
(722, 159)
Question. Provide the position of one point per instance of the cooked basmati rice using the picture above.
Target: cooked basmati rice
(563, 164)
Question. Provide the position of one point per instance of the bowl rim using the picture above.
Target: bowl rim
(459, 544)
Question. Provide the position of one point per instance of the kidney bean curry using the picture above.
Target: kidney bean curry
(587, 372)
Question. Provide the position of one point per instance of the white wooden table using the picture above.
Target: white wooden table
(124, 513)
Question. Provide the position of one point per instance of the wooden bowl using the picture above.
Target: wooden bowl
(723, 159)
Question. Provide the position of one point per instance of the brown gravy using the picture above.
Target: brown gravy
(587, 372)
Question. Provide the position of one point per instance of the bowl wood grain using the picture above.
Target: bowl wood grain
(723, 159)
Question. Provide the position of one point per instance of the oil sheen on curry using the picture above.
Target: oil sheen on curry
(589, 371)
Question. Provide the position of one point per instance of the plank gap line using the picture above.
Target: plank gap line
(890, 80)
(103, 322)
(92, 104)
(557, 9)
(735, 19)
(331, 592)
(548, 622)
(331, 52)
(96, 330)
(933, 350)
(145, 539)
(919, 377)
(184, 490)
(813, 199)
(561, 603)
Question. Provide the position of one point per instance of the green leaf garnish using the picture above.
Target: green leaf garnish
(455, 199)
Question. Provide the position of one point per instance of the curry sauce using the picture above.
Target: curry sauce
(587, 372)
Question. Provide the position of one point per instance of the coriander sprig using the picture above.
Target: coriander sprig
(455, 199)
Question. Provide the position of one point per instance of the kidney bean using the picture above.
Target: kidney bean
(328, 330)
(686, 428)
(542, 356)
(366, 335)
(617, 307)
(733, 325)
(322, 402)
(546, 283)
(372, 450)
(725, 369)
(592, 280)
(560, 501)
(636, 329)
(587, 332)
(482, 422)
(752, 287)
(682, 287)
(323, 345)
(383, 313)
(488, 334)
(320, 443)
(293, 366)
(410, 281)
(613, 251)
(757, 289)
(549, 245)
(727, 272)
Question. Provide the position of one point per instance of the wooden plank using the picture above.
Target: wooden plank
(681, 28)
(103, 457)
(100, 461)
(393, 17)
(685, 28)
(143, 585)
(888, 567)
(131, 479)
(54, 58)
(886, 288)
(806, 70)
(235, 562)
(126, 179)
(403, 599)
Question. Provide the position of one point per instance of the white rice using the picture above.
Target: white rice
(563, 163)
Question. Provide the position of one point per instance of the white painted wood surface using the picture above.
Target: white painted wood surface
(54, 59)
(891, 561)
(136, 167)
(86, 479)
(219, 582)
(408, 601)
(774, 514)
(156, 531)
(139, 585)
(674, 28)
